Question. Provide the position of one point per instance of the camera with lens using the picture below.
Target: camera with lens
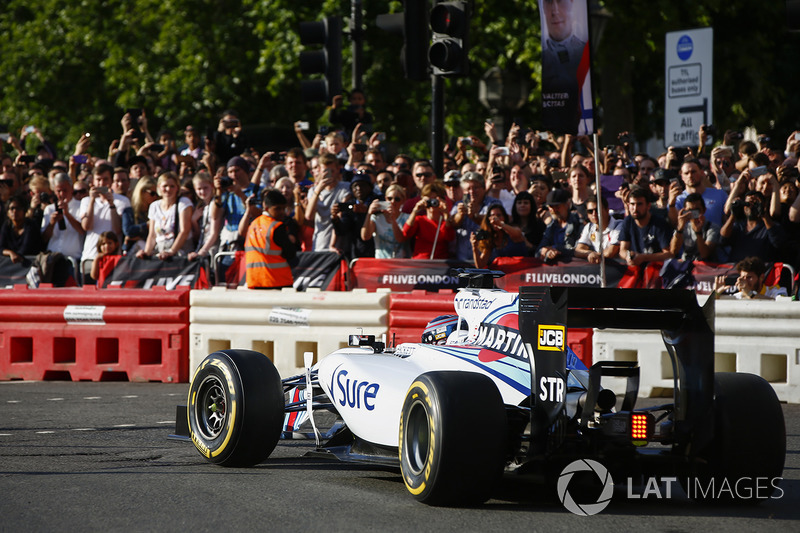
(433, 202)
(737, 208)
(730, 281)
(482, 235)
(756, 207)
(344, 206)
(226, 182)
(710, 129)
(44, 197)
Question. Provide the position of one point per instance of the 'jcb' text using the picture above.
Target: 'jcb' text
(551, 337)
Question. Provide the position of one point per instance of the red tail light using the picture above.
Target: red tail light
(641, 426)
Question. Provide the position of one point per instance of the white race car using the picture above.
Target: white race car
(493, 389)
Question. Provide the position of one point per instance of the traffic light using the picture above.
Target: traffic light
(412, 23)
(327, 61)
(450, 25)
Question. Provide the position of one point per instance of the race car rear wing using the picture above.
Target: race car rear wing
(687, 330)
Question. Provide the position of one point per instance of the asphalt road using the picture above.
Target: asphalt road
(94, 456)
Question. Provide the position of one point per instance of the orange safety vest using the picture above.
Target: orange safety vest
(266, 267)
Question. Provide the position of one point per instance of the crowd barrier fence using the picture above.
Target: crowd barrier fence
(87, 334)
(282, 324)
(161, 335)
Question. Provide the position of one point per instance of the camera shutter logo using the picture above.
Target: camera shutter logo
(585, 465)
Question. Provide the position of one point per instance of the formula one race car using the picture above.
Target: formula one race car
(495, 389)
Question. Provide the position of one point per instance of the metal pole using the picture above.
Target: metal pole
(437, 124)
(600, 235)
(357, 40)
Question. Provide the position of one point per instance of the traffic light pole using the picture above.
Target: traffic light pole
(357, 38)
(437, 124)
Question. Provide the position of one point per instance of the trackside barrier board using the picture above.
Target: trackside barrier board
(757, 337)
(90, 334)
(282, 324)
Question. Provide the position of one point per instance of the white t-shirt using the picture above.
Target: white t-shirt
(323, 225)
(101, 222)
(610, 232)
(770, 291)
(68, 241)
(386, 247)
(164, 226)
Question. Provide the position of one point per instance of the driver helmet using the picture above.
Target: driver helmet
(438, 329)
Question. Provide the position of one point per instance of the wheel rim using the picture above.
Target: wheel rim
(417, 438)
(211, 407)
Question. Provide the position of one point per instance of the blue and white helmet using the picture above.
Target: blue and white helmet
(438, 329)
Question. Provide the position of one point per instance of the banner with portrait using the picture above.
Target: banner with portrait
(567, 98)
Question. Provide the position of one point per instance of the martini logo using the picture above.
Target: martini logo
(501, 341)
(551, 338)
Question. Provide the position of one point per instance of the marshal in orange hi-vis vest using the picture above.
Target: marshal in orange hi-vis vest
(266, 267)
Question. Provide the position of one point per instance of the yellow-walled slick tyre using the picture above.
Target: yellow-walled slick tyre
(453, 432)
(235, 407)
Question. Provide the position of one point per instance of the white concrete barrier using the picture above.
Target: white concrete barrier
(758, 337)
(282, 324)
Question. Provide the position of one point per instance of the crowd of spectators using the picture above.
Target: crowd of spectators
(349, 189)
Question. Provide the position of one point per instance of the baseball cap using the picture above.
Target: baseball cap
(360, 177)
(557, 197)
(452, 176)
(471, 176)
(659, 175)
(237, 161)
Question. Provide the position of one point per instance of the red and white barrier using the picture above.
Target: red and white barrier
(90, 334)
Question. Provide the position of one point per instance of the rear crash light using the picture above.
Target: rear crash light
(641, 426)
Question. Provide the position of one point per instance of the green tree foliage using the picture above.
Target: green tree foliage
(70, 66)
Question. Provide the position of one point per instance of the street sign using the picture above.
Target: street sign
(688, 89)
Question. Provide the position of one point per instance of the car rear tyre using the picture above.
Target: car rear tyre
(453, 432)
(744, 461)
(235, 407)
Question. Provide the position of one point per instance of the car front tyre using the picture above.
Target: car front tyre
(235, 408)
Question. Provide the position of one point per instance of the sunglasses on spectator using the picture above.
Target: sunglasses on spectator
(590, 211)
(152, 193)
(394, 199)
(401, 165)
(424, 174)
